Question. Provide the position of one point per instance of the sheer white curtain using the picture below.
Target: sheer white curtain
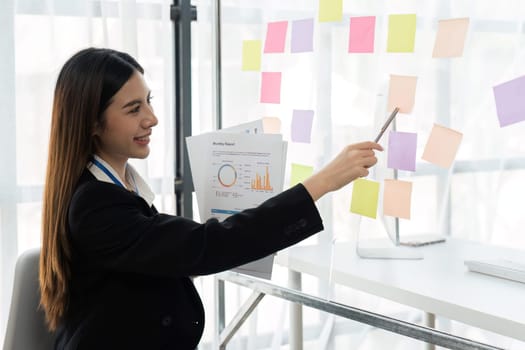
(37, 37)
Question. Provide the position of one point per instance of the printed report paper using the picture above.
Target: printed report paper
(236, 171)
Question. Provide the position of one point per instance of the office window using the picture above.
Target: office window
(37, 38)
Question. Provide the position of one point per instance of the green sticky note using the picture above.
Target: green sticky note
(251, 55)
(300, 173)
(401, 33)
(365, 196)
(330, 10)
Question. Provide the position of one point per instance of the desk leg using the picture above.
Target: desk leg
(430, 321)
(220, 310)
(296, 313)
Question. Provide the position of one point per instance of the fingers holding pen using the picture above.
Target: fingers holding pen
(363, 154)
(369, 161)
(366, 145)
(351, 163)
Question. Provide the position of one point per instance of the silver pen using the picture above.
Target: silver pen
(387, 123)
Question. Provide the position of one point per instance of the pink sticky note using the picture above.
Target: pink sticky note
(302, 125)
(271, 87)
(402, 93)
(275, 37)
(397, 198)
(362, 32)
(442, 146)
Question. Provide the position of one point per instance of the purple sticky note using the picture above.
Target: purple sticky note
(402, 150)
(271, 87)
(303, 35)
(275, 37)
(302, 125)
(362, 32)
(510, 101)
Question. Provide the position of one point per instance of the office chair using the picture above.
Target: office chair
(26, 328)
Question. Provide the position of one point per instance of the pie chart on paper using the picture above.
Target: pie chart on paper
(227, 175)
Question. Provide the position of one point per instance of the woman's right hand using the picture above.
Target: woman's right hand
(352, 162)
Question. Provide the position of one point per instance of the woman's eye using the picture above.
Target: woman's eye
(149, 99)
(135, 110)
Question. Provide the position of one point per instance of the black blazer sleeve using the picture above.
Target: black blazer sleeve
(113, 229)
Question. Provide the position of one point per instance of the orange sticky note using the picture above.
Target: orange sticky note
(442, 146)
(397, 197)
(271, 125)
(450, 37)
(401, 93)
(365, 195)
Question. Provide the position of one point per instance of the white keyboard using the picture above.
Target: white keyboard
(511, 270)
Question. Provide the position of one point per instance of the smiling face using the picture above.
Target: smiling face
(128, 122)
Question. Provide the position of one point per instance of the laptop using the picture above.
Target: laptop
(422, 240)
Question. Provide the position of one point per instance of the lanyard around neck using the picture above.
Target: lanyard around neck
(107, 172)
(111, 176)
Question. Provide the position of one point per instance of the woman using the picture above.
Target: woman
(113, 271)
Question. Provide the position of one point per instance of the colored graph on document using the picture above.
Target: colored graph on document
(262, 182)
(227, 175)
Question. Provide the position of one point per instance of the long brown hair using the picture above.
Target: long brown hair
(84, 89)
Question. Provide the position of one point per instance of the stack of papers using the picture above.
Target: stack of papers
(236, 169)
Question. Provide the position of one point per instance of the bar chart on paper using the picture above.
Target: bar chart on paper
(262, 183)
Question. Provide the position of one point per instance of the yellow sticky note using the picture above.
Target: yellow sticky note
(442, 146)
(271, 125)
(401, 93)
(365, 196)
(401, 33)
(450, 38)
(397, 197)
(330, 10)
(300, 173)
(251, 55)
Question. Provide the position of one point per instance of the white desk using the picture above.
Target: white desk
(439, 284)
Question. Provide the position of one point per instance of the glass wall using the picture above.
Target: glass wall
(473, 199)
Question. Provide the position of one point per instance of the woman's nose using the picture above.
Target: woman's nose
(151, 120)
(154, 121)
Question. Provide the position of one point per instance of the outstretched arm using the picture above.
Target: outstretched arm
(352, 162)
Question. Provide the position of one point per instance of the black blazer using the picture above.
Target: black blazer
(130, 265)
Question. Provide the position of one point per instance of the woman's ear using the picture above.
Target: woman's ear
(96, 130)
